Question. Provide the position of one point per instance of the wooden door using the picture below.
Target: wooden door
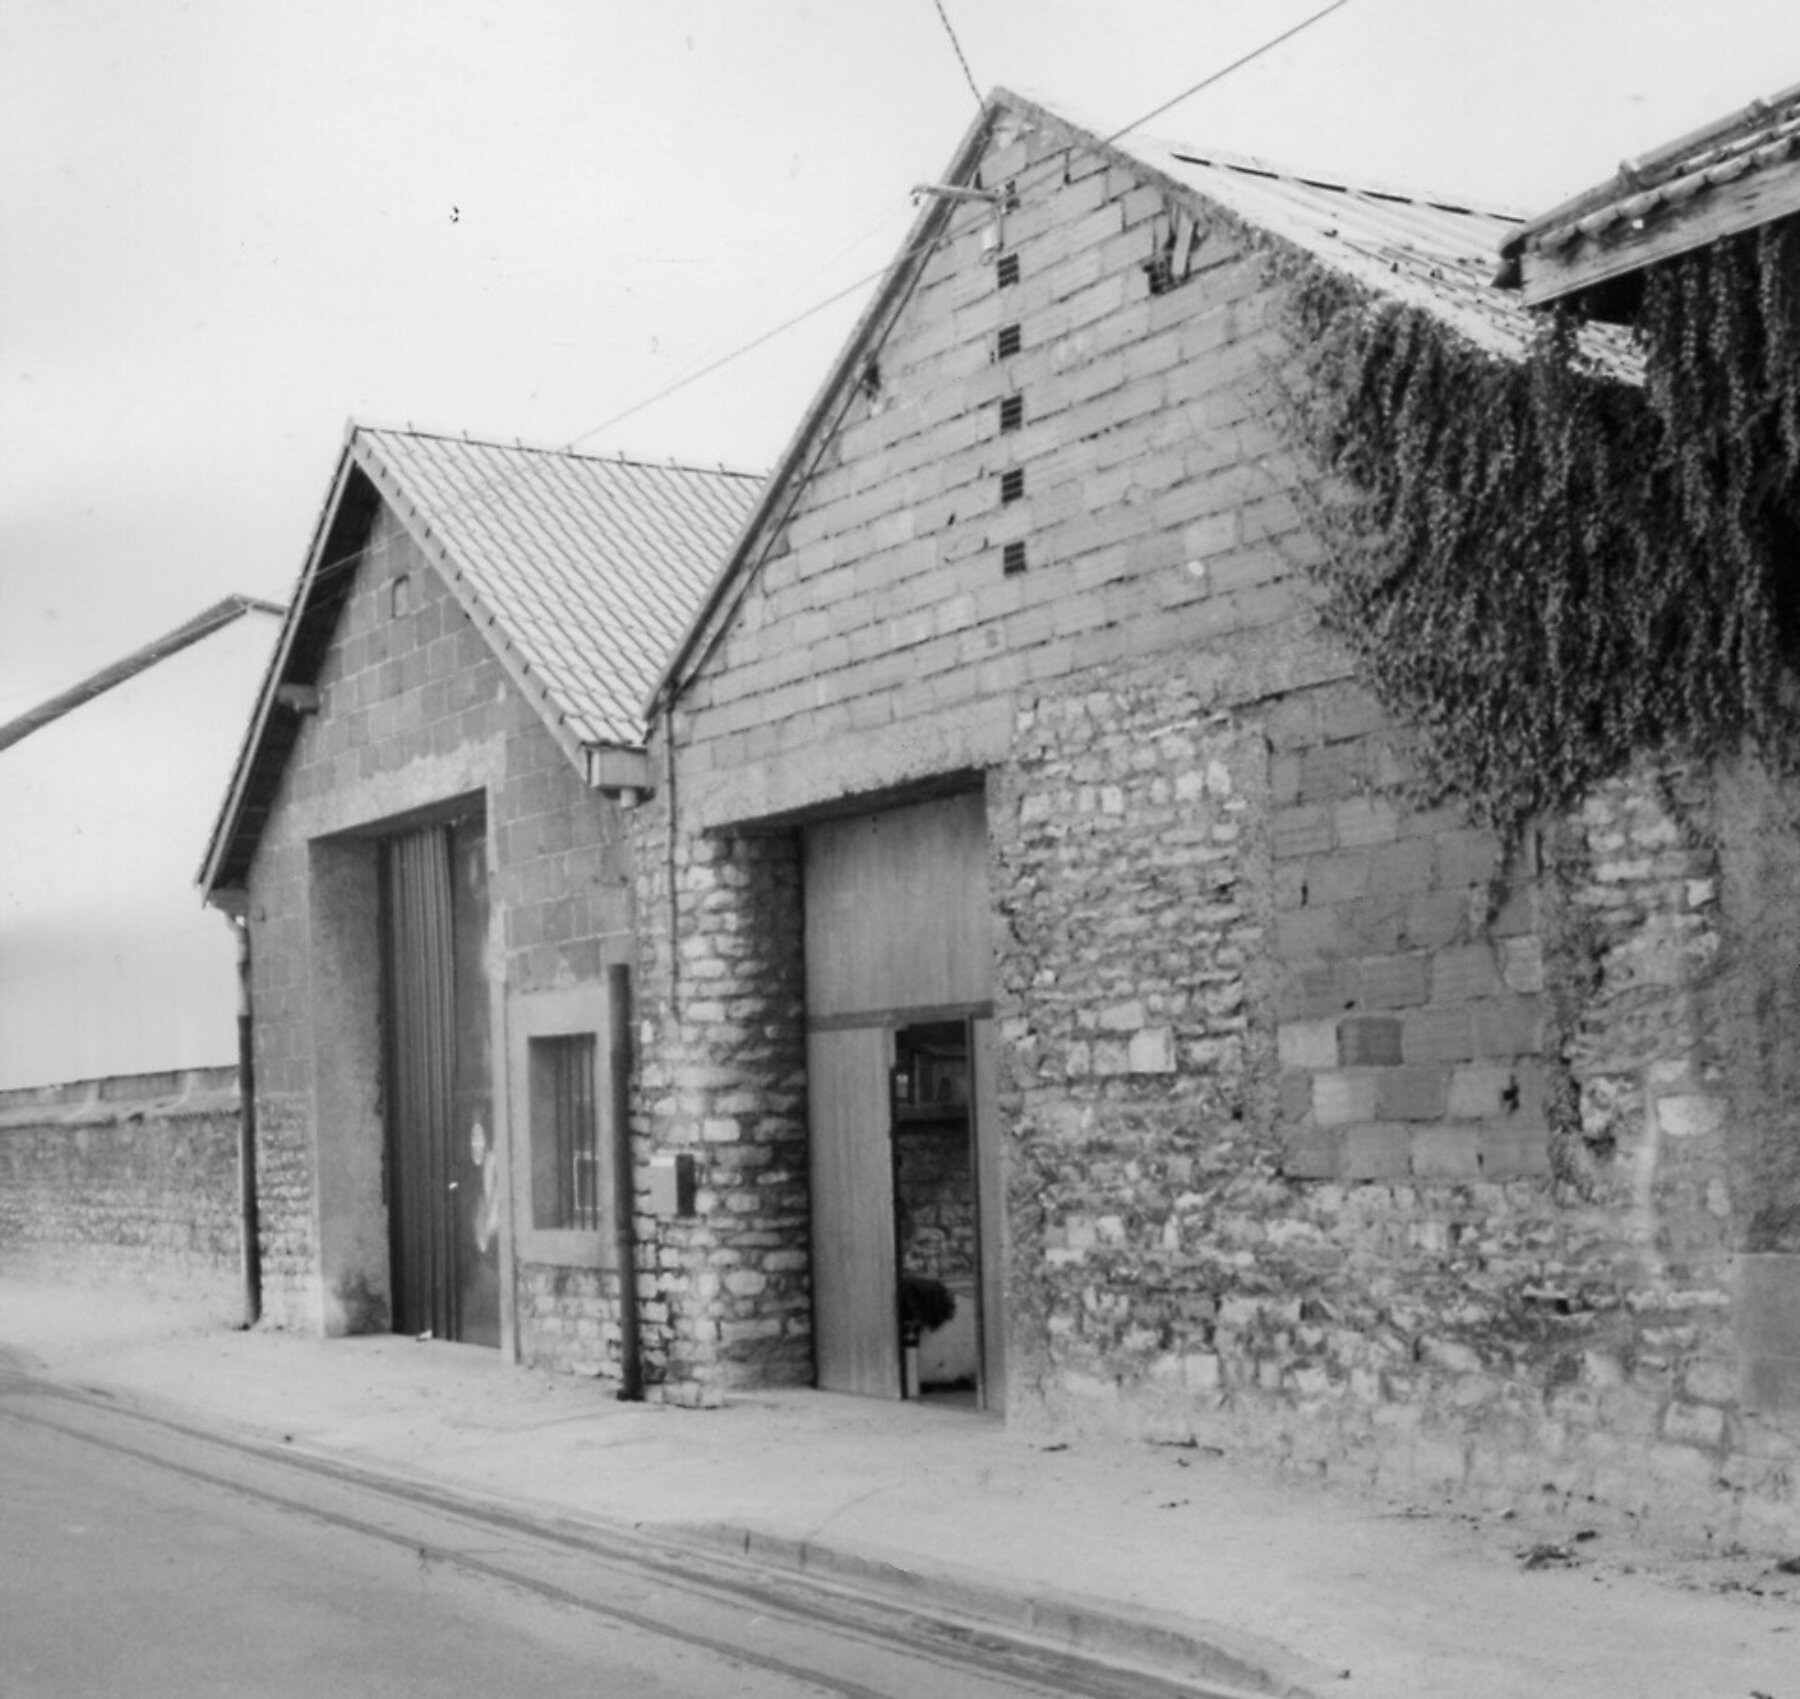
(896, 934)
(856, 1334)
(442, 1169)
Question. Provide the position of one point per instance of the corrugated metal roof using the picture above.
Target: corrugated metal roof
(1764, 134)
(590, 567)
(1429, 251)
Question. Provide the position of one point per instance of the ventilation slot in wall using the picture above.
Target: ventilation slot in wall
(1012, 412)
(1012, 559)
(1012, 484)
(1008, 342)
(1008, 270)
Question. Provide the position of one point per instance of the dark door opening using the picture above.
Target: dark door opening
(937, 1213)
(442, 1167)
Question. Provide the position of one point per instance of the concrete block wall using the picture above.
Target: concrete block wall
(1154, 509)
(130, 1179)
(416, 711)
(1411, 1019)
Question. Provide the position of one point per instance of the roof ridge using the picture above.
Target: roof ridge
(1132, 140)
(1340, 182)
(563, 451)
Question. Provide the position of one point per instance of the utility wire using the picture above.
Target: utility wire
(497, 486)
(950, 30)
(1218, 76)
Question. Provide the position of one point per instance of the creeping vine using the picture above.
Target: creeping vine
(1543, 567)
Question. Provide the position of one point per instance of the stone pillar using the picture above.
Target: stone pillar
(722, 1086)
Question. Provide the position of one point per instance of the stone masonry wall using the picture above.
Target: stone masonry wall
(724, 1289)
(1135, 914)
(1330, 1145)
(127, 1179)
(416, 711)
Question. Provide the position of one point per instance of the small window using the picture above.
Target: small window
(1008, 270)
(1012, 559)
(1012, 413)
(565, 1133)
(400, 596)
(1012, 485)
(1008, 343)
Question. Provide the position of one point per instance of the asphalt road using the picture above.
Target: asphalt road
(141, 1557)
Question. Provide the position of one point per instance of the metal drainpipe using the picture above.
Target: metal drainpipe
(249, 1229)
(618, 1002)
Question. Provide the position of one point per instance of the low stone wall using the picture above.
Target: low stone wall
(132, 1178)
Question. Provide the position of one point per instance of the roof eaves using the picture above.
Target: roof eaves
(232, 808)
(1634, 175)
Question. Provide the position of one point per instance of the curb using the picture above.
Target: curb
(1156, 1642)
(1230, 1663)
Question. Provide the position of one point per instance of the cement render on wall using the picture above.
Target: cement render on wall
(417, 714)
(1323, 1135)
(129, 1179)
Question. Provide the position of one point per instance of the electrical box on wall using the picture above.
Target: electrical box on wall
(672, 1184)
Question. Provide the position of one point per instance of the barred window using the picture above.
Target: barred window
(565, 1132)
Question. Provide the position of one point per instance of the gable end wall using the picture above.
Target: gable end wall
(1280, 1054)
(416, 711)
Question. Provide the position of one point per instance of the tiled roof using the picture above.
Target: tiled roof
(589, 567)
(1663, 185)
(581, 571)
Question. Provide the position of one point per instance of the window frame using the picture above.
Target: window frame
(578, 1012)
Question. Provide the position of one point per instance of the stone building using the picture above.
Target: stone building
(1033, 902)
(426, 833)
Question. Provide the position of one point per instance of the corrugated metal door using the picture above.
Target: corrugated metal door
(442, 1168)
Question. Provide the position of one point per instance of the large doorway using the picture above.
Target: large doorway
(905, 1154)
(442, 1169)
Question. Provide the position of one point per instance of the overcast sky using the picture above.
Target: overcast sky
(229, 226)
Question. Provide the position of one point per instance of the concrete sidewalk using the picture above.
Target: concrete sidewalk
(1289, 1588)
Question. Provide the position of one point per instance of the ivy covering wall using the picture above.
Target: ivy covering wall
(1546, 568)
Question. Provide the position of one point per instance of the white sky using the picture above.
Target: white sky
(230, 225)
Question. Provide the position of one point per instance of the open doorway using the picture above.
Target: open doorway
(937, 1235)
(905, 1172)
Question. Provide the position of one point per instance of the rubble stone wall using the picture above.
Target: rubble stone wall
(724, 1288)
(1336, 1141)
(132, 1178)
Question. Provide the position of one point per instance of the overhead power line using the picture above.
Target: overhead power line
(1236, 65)
(950, 30)
(500, 483)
